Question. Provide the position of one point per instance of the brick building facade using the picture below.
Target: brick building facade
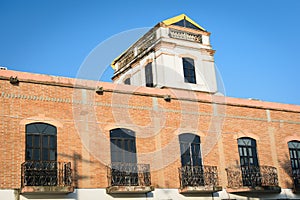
(156, 122)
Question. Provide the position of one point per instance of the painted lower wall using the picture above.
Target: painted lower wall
(157, 194)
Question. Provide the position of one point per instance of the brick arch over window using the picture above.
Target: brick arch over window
(190, 150)
(41, 142)
(242, 134)
(41, 118)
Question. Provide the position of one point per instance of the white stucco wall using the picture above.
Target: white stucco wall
(157, 194)
(167, 67)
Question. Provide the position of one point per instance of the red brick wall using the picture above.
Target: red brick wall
(83, 127)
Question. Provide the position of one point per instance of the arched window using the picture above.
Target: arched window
(294, 148)
(249, 161)
(124, 169)
(190, 150)
(189, 70)
(247, 151)
(122, 145)
(149, 75)
(41, 142)
(191, 171)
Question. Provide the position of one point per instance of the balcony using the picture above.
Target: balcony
(183, 35)
(199, 179)
(252, 179)
(128, 178)
(46, 177)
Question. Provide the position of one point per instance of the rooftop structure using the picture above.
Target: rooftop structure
(176, 53)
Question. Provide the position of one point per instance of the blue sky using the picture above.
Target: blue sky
(256, 41)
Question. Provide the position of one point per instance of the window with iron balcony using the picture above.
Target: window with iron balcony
(41, 172)
(124, 174)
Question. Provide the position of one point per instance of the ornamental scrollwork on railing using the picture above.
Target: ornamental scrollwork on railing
(198, 176)
(128, 174)
(46, 173)
(269, 176)
(252, 176)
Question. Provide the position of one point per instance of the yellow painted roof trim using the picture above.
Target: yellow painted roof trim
(179, 18)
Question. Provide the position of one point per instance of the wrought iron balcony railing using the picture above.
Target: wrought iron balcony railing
(128, 174)
(198, 176)
(46, 173)
(252, 176)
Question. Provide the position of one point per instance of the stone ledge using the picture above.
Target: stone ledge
(128, 189)
(47, 189)
(258, 189)
(199, 189)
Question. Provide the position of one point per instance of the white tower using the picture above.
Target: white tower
(176, 53)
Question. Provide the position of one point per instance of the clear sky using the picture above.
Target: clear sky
(256, 41)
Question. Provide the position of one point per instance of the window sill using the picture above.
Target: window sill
(47, 189)
(199, 189)
(258, 189)
(128, 189)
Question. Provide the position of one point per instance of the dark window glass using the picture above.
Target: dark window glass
(149, 75)
(36, 141)
(247, 151)
(29, 141)
(189, 70)
(36, 154)
(190, 150)
(40, 142)
(45, 141)
(127, 81)
(52, 143)
(123, 146)
(187, 24)
(29, 153)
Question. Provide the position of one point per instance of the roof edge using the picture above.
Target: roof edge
(27, 77)
(179, 18)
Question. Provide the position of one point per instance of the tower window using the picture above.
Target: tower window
(127, 81)
(189, 70)
(149, 75)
